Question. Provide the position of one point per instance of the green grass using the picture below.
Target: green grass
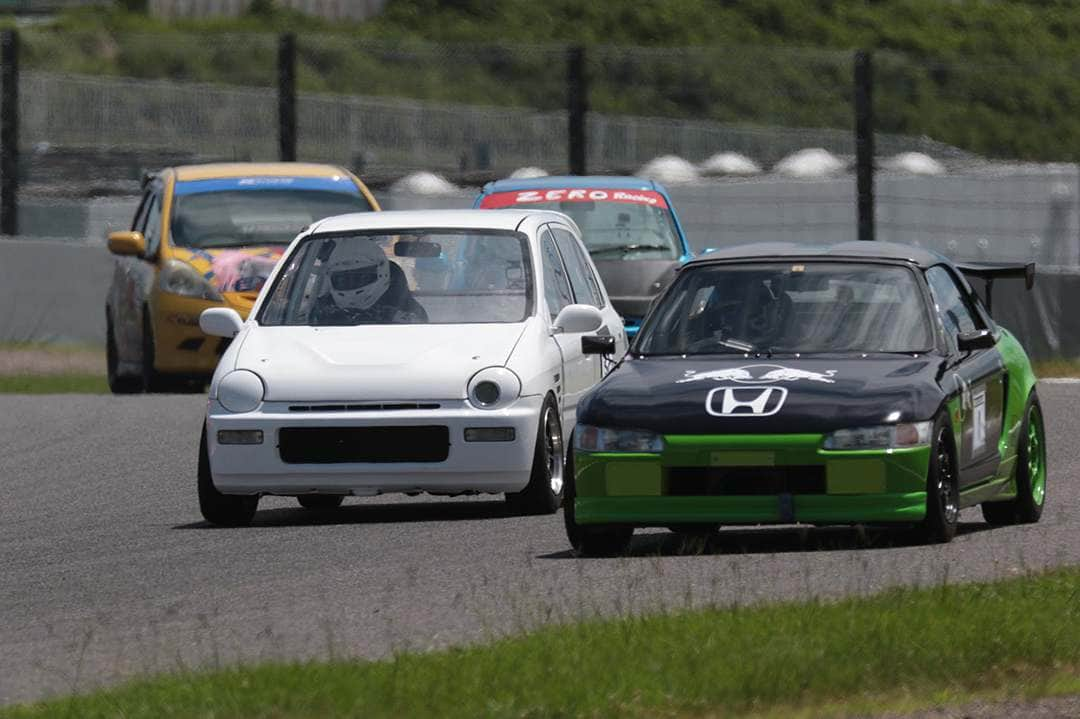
(1057, 368)
(54, 384)
(906, 647)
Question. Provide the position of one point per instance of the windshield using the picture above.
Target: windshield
(790, 308)
(407, 277)
(235, 218)
(615, 224)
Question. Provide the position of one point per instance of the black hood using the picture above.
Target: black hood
(739, 395)
(632, 284)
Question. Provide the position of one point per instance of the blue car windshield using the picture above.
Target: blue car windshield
(790, 307)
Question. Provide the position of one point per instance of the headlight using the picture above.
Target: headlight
(493, 388)
(603, 439)
(180, 278)
(885, 436)
(240, 391)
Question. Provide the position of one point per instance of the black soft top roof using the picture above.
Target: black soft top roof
(845, 250)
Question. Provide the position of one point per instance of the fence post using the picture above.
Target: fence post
(9, 131)
(864, 143)
(287, 97)
(577, 101)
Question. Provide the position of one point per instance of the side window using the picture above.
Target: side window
(152, 231)
(556, 287)
(952, 308)
(586, 288)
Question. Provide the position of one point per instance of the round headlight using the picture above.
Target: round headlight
(493, 388)
(240, 391)
(486, 392)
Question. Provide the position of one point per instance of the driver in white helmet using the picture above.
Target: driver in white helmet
(364, 287)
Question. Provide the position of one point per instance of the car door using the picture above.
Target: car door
(587, 291)
(579, 370)
(128, 291)
(978, 376)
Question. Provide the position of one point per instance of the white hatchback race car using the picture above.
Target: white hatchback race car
(429, 351)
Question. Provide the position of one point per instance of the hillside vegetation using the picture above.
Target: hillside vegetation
(993, 77)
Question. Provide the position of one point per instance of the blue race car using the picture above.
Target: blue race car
(629, 225)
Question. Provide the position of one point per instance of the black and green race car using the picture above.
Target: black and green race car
(860, 383)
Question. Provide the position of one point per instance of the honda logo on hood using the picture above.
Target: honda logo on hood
(745, 401)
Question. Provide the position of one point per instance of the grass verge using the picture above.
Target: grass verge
(54, 384)
(1057, 368)
(903, 647)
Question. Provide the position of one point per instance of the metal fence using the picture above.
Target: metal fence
(93, 111)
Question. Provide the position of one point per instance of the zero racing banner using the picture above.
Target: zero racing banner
(524, 198)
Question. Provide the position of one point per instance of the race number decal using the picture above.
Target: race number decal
(978, 419)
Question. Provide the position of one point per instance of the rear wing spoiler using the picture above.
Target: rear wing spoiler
(988, 272)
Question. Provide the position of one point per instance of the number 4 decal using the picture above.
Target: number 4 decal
(978, 419)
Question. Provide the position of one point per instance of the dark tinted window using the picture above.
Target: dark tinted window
(954, 311)
(790, 307)
(586, 289)
(556, 286)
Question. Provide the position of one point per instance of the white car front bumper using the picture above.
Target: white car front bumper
(468, 466)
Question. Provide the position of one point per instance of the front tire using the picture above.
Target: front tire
(152, 380)
(224, 510)
(543, 494)
(942, 487)
(117, 384)
(1027, 506)
(590, 540)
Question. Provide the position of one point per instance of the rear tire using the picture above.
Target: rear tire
(320, 501)
(1027, 506)
(224, 510)
(590, 540)
(117, 384)
(543, 493)
(942, 488)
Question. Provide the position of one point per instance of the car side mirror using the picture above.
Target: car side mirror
(578, 318)
(220, 322)
(127, 243)
(598, 345)
(977, 340)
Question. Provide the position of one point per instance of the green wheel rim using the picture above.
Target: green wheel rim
(1036, 456)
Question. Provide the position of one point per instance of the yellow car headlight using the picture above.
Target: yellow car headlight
(180, 278)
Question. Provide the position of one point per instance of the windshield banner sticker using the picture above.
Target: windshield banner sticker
(337, 183)
(758, 373)
(529, 197)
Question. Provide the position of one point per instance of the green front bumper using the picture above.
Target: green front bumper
(857, 486)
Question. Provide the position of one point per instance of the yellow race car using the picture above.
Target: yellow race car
(206, 236)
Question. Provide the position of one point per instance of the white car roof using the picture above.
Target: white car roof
(449, 219)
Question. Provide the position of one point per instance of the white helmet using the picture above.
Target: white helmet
(359, 274)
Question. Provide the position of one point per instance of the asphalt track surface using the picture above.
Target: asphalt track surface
(107, 571)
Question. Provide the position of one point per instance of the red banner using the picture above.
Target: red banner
(524, 198)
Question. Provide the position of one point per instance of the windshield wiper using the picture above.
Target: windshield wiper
(626, 248)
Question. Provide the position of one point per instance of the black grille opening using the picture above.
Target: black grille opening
(745, 481)
(330, 445)
(365, 407)
(191, 344)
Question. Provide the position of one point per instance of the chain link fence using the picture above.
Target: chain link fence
(756, 144)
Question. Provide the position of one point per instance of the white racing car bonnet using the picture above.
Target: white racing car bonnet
(359, 274)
